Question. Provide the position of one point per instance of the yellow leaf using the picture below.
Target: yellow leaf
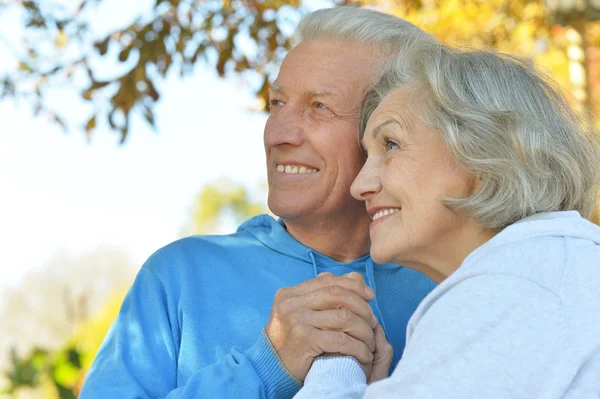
(62, 39)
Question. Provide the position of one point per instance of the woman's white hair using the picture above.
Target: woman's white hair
(506, 123)
(387, 33)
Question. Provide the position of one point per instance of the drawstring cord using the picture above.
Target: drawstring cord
(314, 263)
(371, 282)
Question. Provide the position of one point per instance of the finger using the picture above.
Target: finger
(327, 279)
(345, 321)
(382, 358)
(380, 339)
(342, 343)
(335, 297)
(382, 345)
(355, 276)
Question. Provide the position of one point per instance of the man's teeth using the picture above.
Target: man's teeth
(295, 169)
(384, 212)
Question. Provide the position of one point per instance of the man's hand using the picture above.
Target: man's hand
(379, 368)
(327, 314)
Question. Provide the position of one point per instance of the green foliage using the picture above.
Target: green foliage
(218, 198)
(25, 372)
(62, 368)
(60, 373)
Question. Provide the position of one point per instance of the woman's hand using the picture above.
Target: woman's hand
(383, 354)
(382, 357)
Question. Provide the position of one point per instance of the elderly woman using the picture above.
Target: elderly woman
(479, 175)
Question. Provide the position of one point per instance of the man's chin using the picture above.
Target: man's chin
(289, 206)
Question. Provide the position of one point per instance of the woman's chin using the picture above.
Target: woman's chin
(380, 257)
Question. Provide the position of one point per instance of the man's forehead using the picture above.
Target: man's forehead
(323, 65)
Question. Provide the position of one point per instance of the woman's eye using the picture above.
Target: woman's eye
(391, 145)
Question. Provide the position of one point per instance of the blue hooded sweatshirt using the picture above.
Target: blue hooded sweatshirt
(191, 326)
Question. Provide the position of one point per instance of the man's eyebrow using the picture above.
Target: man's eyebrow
(317, 92)
(276, 88)
(312, 92)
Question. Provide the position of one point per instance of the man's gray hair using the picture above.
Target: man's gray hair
(387, 33)
(504, 122)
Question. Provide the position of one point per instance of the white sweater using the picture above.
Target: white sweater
(520, 318)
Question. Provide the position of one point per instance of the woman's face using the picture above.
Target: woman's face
(407, 173)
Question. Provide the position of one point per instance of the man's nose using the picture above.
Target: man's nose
(367, 184)
(285, 128)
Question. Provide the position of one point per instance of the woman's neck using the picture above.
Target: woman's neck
(442, 258)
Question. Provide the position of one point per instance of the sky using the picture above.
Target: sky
(60, 193)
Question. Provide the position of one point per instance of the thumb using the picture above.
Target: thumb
(382, 357)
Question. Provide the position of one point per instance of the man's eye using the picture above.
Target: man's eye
(320, 105)
(275, 103)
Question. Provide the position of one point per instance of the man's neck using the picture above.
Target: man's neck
(343, 241)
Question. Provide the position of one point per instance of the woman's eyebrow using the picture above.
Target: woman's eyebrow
(383, 124)
(377, 130)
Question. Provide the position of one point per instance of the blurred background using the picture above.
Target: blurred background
(126, 125)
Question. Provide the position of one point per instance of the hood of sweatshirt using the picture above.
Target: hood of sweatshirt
(549, 224)
(274, 235)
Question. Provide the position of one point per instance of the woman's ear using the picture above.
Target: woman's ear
(474, 184)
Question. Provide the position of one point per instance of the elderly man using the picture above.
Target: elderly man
(244, 315)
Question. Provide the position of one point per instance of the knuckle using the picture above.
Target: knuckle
(294, 319)
(298, 330)
(386, 352)
(356, 276)
(389, 349)
(340, 339)
(285, 306)
(281, 294)
(335, 290)
(343, 315)
(326, 279)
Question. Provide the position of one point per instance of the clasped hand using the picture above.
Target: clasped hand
(328, 315)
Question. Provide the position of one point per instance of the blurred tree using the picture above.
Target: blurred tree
(247, 37)
(51, 304)
(520, 27)
(55, 366)
(60, 373)
(45, 374)
(172, 35)
(529, 29)
(221, 203)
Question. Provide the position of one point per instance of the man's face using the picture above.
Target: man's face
(311, 134)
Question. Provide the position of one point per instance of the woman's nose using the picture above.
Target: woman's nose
(367, 184)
